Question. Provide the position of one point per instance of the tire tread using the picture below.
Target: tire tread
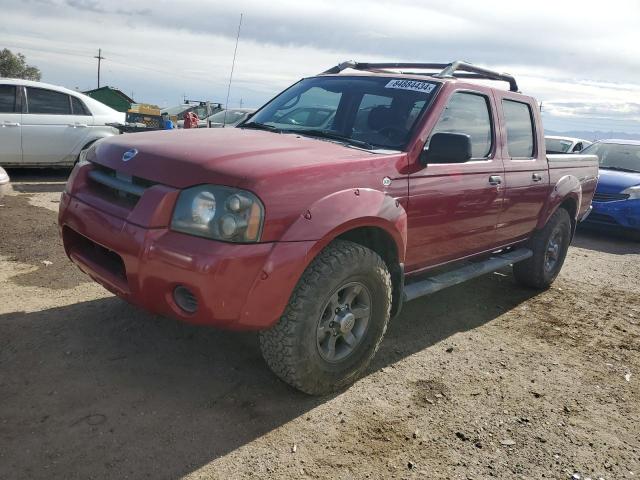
(278, 344)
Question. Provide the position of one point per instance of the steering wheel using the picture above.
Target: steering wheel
(396, 134)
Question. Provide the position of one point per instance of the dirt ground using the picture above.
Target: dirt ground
(483, 380)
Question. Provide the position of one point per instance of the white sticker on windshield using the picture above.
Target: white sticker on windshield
(415, 85)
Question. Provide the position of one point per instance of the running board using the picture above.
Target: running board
(454, 277)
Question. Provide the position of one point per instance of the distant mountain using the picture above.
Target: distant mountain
(598, 135)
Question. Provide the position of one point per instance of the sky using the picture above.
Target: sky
(580, 59)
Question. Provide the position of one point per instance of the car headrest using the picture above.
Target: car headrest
(379, 117)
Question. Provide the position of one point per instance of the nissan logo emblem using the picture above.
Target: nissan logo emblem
(129, 154)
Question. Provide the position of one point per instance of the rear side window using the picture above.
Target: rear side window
(468, 113)
(78, 107)
(519, 123)
(7, 98)
(49, 102)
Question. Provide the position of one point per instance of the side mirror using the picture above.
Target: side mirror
(447, 148)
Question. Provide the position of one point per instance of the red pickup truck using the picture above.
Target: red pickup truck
(314, 220)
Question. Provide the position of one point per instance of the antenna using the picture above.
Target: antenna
(99, 57)
(233, 64)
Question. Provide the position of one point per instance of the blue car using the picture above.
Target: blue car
(616, 203)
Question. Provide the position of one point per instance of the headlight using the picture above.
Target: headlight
(82, 158)
(219, 213)
(633, 192)
(87, 155)
(82, 161)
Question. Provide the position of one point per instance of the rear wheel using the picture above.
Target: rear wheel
(334, 322)
(549, 246)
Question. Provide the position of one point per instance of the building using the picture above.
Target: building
(111, 97)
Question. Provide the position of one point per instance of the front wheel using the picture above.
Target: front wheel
(334, 322)
(549, 246)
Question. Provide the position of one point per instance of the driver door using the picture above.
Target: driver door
(10, 125)
(454, 207)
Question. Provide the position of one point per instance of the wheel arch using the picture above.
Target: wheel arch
(367, 217)
(570, 204)
(567, 194)
(364, 216)
(382, 243)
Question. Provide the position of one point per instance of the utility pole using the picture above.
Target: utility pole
(100, 58)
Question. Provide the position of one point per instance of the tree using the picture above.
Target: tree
(15, 66)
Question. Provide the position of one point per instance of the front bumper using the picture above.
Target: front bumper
(620, 214)
(235, 286)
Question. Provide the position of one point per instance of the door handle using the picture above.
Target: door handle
(495, 180)
(536, 177)
(81, 125)
(10, 124)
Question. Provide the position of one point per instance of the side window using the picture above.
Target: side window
(519, 123)
(7, 99)
(48, 102)
(78, 107)
(468, 113)
(201, 111)
(578, 147)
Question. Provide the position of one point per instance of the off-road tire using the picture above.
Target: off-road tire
(290, 347)
(532, 272)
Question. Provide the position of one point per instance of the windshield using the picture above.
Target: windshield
(177, 110)
(376, 111)
(557, 145)
(616, 156)
(233, 116)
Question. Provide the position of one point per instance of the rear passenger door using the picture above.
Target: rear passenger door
(50, 132)
(453, 207)
(526, 168)
(10, 125)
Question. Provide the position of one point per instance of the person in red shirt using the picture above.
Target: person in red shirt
(191, 120)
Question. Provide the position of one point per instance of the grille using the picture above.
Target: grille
(609, 197)
(117, 187)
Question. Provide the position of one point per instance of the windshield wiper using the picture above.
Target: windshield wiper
(619, 169)
(328, 134)
(260, 126)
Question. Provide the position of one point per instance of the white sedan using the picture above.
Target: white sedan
(47, 125)
(555, 144)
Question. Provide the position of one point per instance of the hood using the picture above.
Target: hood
(612, 181)
(226, 156)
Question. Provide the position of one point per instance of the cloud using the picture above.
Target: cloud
(86, 5)
(562, 55)
(602, 110)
